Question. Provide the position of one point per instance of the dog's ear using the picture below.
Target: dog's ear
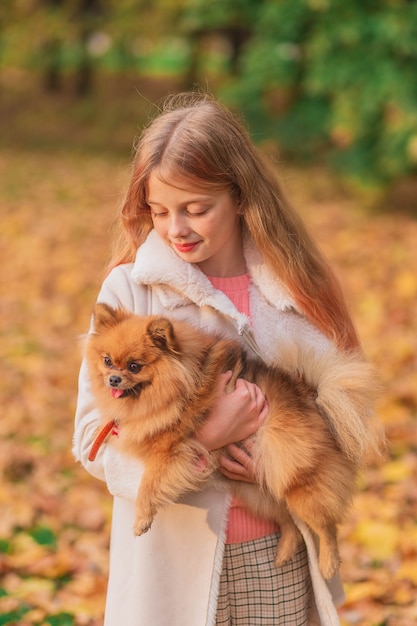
(162, 334)
(105, 316)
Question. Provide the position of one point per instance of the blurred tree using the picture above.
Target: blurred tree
(335, 78)
(136, 27)
(231, 20)
(6, 15)
(51, 36)
(324, 78)
(88, 17)
(52, 50)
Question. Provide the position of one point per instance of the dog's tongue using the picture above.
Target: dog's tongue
(116, 393)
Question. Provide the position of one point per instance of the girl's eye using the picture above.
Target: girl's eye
(134, 368)
(197, 209)
(196, 213)
(107, 361)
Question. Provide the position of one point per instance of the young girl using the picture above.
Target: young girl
(208, 236)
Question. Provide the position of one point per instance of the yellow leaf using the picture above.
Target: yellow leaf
(35, 589)
(54, 565)
(8, 604)
(403, 595)
(35, 616)
(379, 538)
(83, 585)
(406, 284)
(24, 552)
(408, 571)
(363, 591)
(408, 541)
(396, 471)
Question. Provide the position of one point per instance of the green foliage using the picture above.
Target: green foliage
(44, 536)
(335, 78)
(16, 616)
(4, 547)
(60, 619)
(111, 35)
(13, 617)
(203, 15)
(326, 79)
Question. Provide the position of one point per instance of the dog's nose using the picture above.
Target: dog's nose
(115, 381)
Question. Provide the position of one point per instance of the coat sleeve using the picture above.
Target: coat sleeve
(121, 473)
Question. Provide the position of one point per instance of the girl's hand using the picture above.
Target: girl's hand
(238, 463)
(235, 416)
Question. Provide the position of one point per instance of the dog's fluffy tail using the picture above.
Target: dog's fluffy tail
(347, 390)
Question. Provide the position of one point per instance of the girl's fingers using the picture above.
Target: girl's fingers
(237, 464)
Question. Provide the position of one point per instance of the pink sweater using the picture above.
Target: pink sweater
(242, 525)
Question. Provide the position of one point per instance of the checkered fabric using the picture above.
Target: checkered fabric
(254, 592)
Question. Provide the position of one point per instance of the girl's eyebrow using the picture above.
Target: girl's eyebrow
(186, 202)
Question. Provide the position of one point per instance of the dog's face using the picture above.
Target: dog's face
(122, 373)
(124, 350)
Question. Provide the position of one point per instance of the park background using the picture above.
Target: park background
(328, 88)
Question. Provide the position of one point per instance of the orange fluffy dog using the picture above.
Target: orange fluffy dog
(156, 380)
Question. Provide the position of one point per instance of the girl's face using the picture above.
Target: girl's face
(201, 226)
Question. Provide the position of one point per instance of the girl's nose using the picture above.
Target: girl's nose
(177, 227)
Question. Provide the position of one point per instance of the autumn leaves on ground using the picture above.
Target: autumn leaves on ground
(57, 208)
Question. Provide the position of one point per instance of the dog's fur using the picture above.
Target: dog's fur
(163, 376)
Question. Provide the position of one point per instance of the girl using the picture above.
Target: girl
(208, 236)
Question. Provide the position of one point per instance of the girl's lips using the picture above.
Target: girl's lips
(186, 247)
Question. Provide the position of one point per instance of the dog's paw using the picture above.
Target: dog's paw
(329, 563)
(141, 527)
(287, 546)
(282, 559)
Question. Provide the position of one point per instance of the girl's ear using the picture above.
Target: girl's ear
(105, 316)
(237, 196)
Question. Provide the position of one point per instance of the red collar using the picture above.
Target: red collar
(109, 428)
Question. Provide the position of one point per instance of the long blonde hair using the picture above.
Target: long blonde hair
(196, 140)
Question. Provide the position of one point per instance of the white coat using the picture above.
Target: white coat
(170, 575)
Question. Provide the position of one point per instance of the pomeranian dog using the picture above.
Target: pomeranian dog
(156, 380)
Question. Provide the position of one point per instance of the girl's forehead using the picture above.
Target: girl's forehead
(157, 186)
(179, 179)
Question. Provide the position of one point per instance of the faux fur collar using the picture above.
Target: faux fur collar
(179, 282)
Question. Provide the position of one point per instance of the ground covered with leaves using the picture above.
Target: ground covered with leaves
(57, 210)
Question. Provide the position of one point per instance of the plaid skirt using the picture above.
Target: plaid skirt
(254, 592)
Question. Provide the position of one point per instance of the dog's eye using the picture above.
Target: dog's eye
(134, 368)
(107, 361)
